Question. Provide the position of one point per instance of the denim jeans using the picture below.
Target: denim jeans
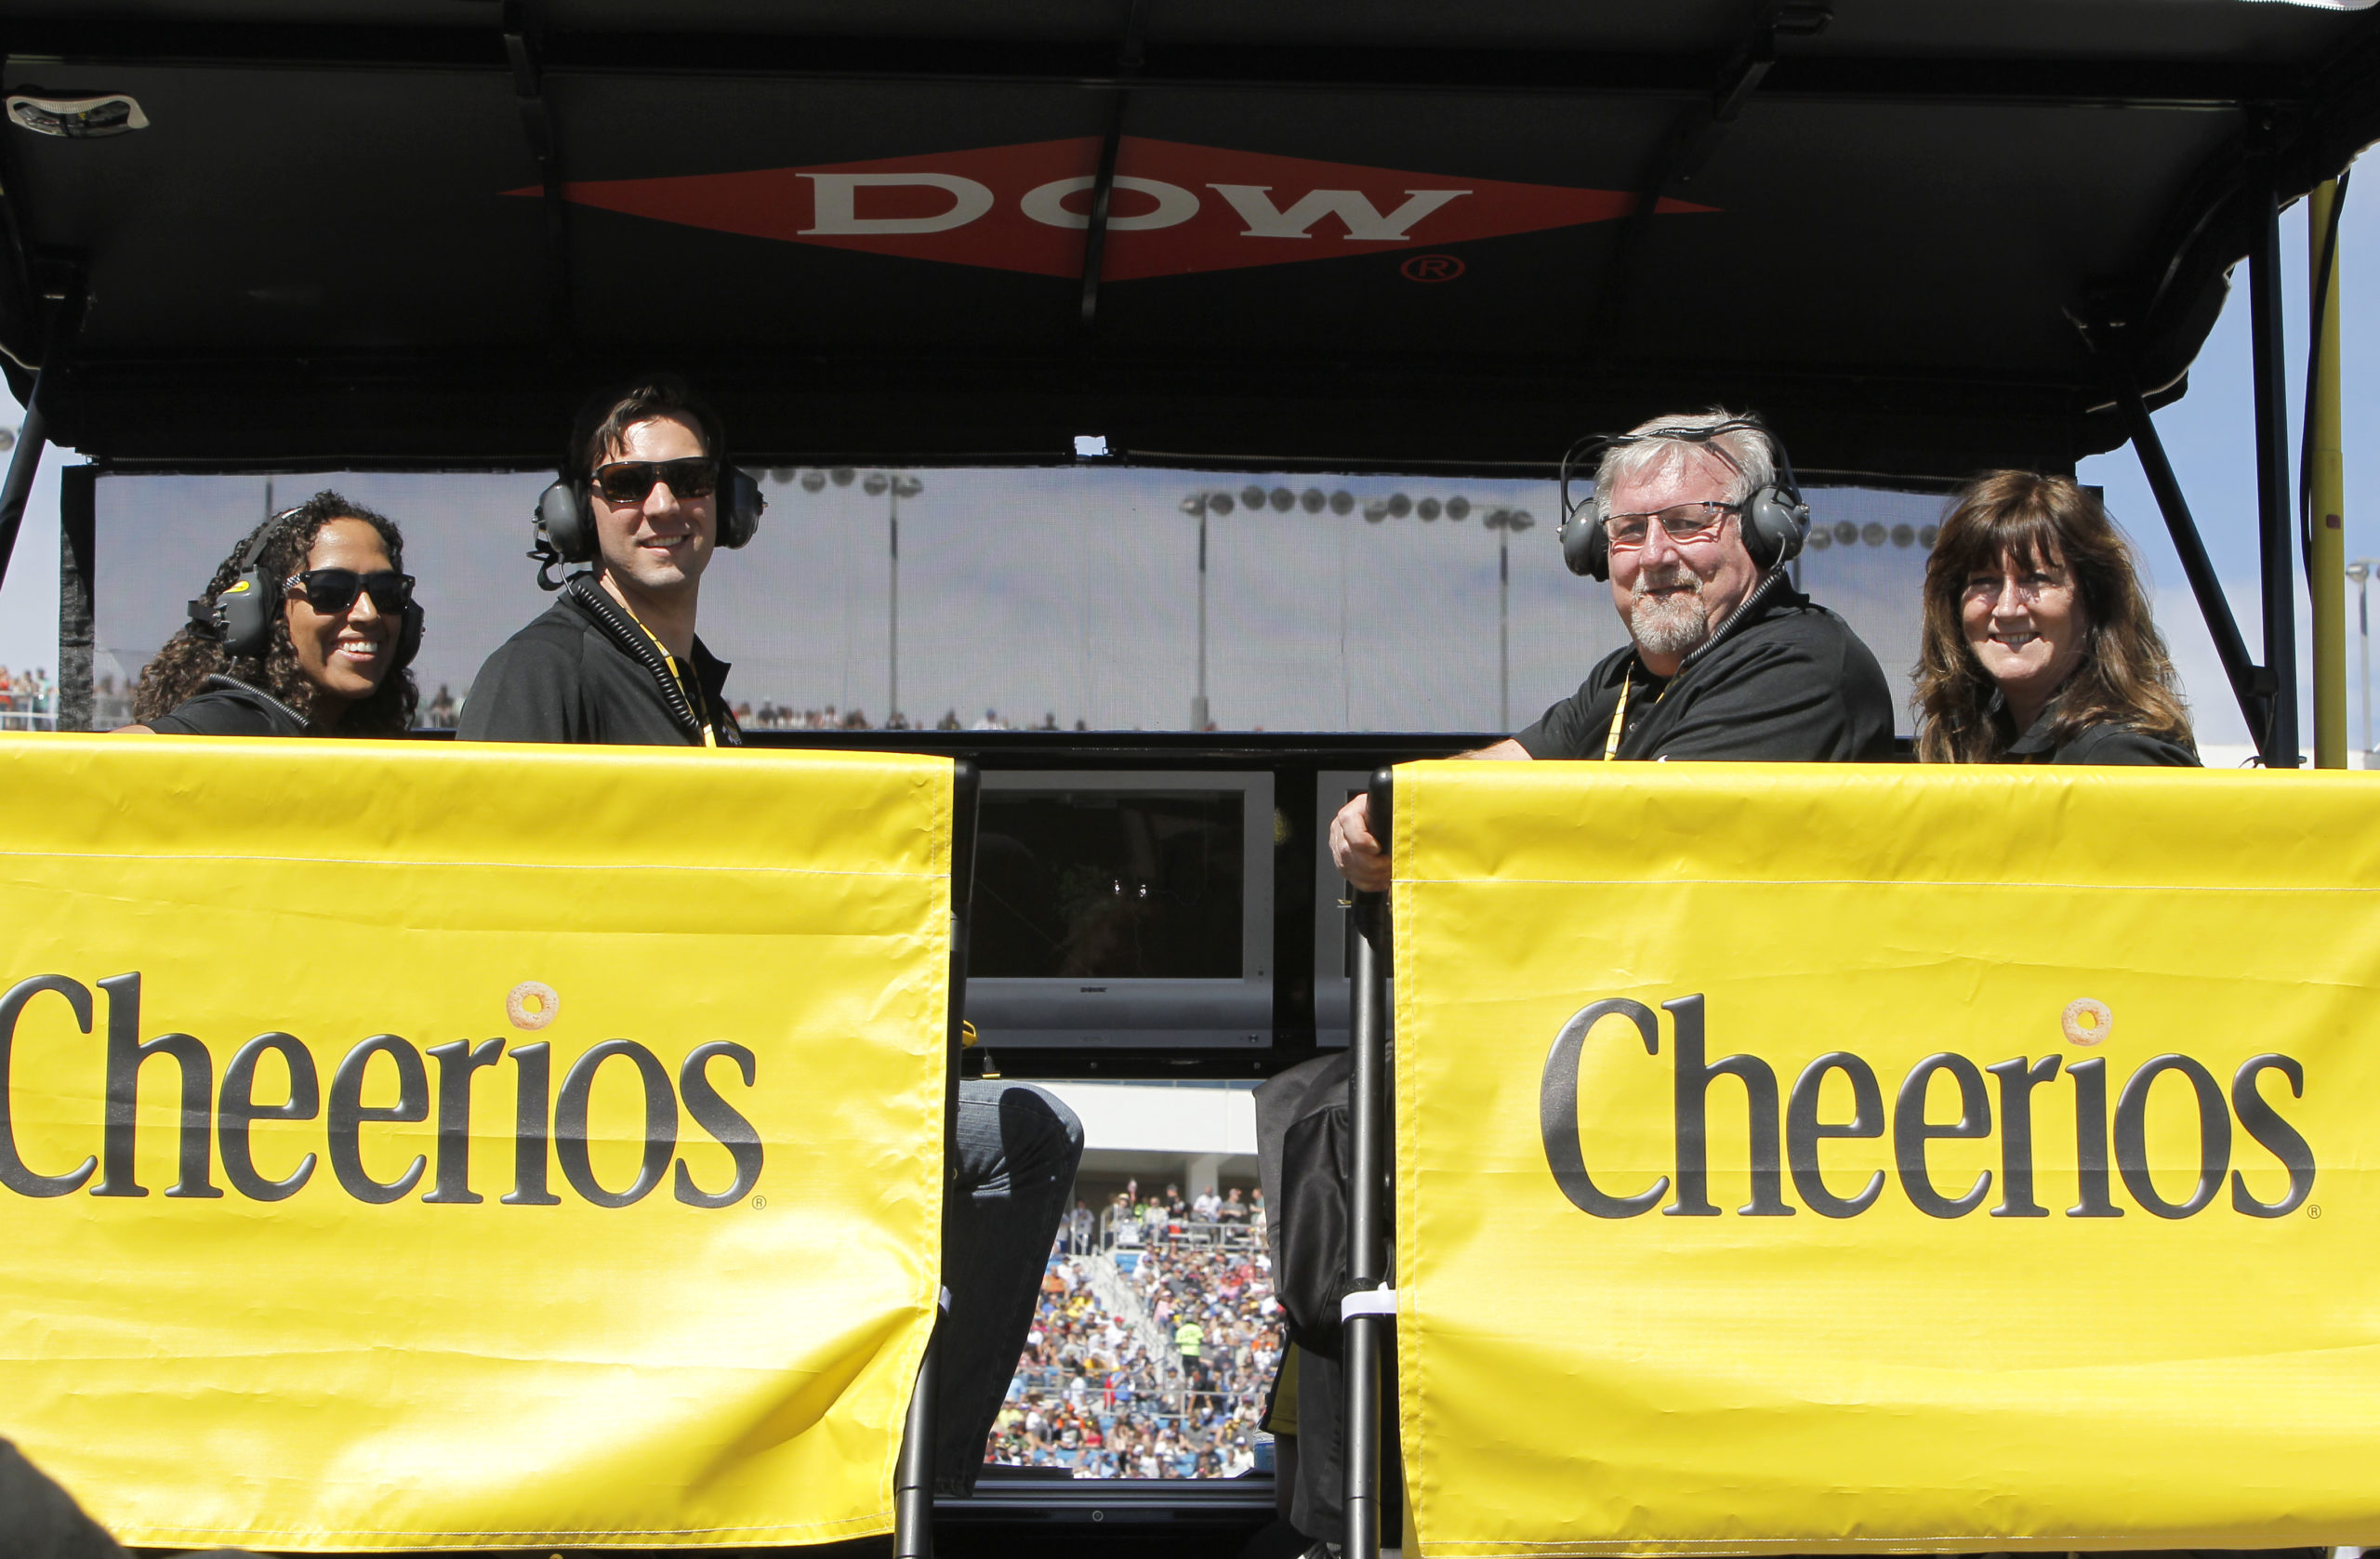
(1016, 1148)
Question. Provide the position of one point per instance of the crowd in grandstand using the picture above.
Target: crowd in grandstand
(773, 716)
(27, 696)
(1155, 1341)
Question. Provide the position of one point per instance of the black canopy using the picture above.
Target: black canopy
(1405, 233)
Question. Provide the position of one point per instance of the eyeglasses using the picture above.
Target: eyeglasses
(2029, 587)
(1683, 522)
(627, 481)
(333, 590)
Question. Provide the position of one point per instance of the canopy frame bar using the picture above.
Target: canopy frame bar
(65, 293)
(2276, 505)
(1692, 138)
(1090, 62)
(2251, 683)
(1129, 57)
(523, 40)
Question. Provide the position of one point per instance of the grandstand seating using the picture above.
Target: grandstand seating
(1103, 1389)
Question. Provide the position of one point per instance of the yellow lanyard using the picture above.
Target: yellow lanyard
(1619, 715)
(692, 689)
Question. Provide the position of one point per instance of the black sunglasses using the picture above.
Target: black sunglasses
(333, 590)
(627, 481)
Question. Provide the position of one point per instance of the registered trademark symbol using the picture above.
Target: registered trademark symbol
(1430, 268)
(2313, 1209)
(759, 1202)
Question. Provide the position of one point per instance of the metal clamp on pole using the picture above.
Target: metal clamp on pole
(1367, 1201)
(1368, 1301)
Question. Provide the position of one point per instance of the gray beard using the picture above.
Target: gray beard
(1670, 625)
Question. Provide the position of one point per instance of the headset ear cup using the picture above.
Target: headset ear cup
(1585, 549)
(1775, 522)
(243, 613)
(739, 513)
(562, 522)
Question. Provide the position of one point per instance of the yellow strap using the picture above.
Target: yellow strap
(1619, 717)
(692, 689)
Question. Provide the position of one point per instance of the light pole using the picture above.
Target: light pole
(893, 486)
(1202, 504)
(1254, 500)
(2360, 572)
(1504, 522)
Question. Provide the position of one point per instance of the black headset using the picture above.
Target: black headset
(566, 530)
(1773, 519)
(241, 616)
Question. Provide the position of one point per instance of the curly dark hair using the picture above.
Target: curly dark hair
(2125, 678)
(180, 669)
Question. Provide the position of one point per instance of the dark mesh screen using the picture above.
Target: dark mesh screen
(1058, 596)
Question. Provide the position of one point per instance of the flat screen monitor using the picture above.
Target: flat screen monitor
(1123, 909)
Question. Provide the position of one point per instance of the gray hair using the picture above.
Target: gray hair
(1664, 441)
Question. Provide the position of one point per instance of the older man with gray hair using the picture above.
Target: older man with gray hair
(1692, 524)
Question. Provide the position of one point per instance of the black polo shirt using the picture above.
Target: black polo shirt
(2093, 744)
(586, 672)
(227, 707)
(1782, 681)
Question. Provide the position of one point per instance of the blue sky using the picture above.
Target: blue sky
(1071, 591)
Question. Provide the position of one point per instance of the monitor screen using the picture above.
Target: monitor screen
(1109, 884)
(1123, 908)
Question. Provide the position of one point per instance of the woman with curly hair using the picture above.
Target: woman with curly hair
(2039, 646)
(335, 642)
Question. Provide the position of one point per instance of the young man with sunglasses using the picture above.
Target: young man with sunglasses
(1726, 659)
(616, 659)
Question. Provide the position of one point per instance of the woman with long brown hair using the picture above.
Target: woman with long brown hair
(305, 630)
(2038, 645)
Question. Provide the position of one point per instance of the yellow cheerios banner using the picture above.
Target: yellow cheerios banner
(1872, 1159)
(412, 1145)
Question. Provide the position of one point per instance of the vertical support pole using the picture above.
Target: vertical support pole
(1367, 1214)
(913, 1476)
(1199, 717)
(2277, 741)
(32, 439)
(2326, 539)
(2363, 641)
(77, 526)
(913, 1480)
(1503, 630)
(893, 691)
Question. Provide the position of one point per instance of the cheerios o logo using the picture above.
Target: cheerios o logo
(2087, 1022)
(532, 1005)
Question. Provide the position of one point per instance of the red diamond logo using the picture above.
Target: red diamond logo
(1177, 208)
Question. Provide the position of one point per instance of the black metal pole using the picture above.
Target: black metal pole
(77, 516)
(912, 1481)
(1367, 1215)
(913, 1477)
(2275, 523)
(2249, 682)
(18, 487)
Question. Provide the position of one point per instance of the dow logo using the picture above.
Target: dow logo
(1788, 1128)
(1176, 208)
(549, 1125)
